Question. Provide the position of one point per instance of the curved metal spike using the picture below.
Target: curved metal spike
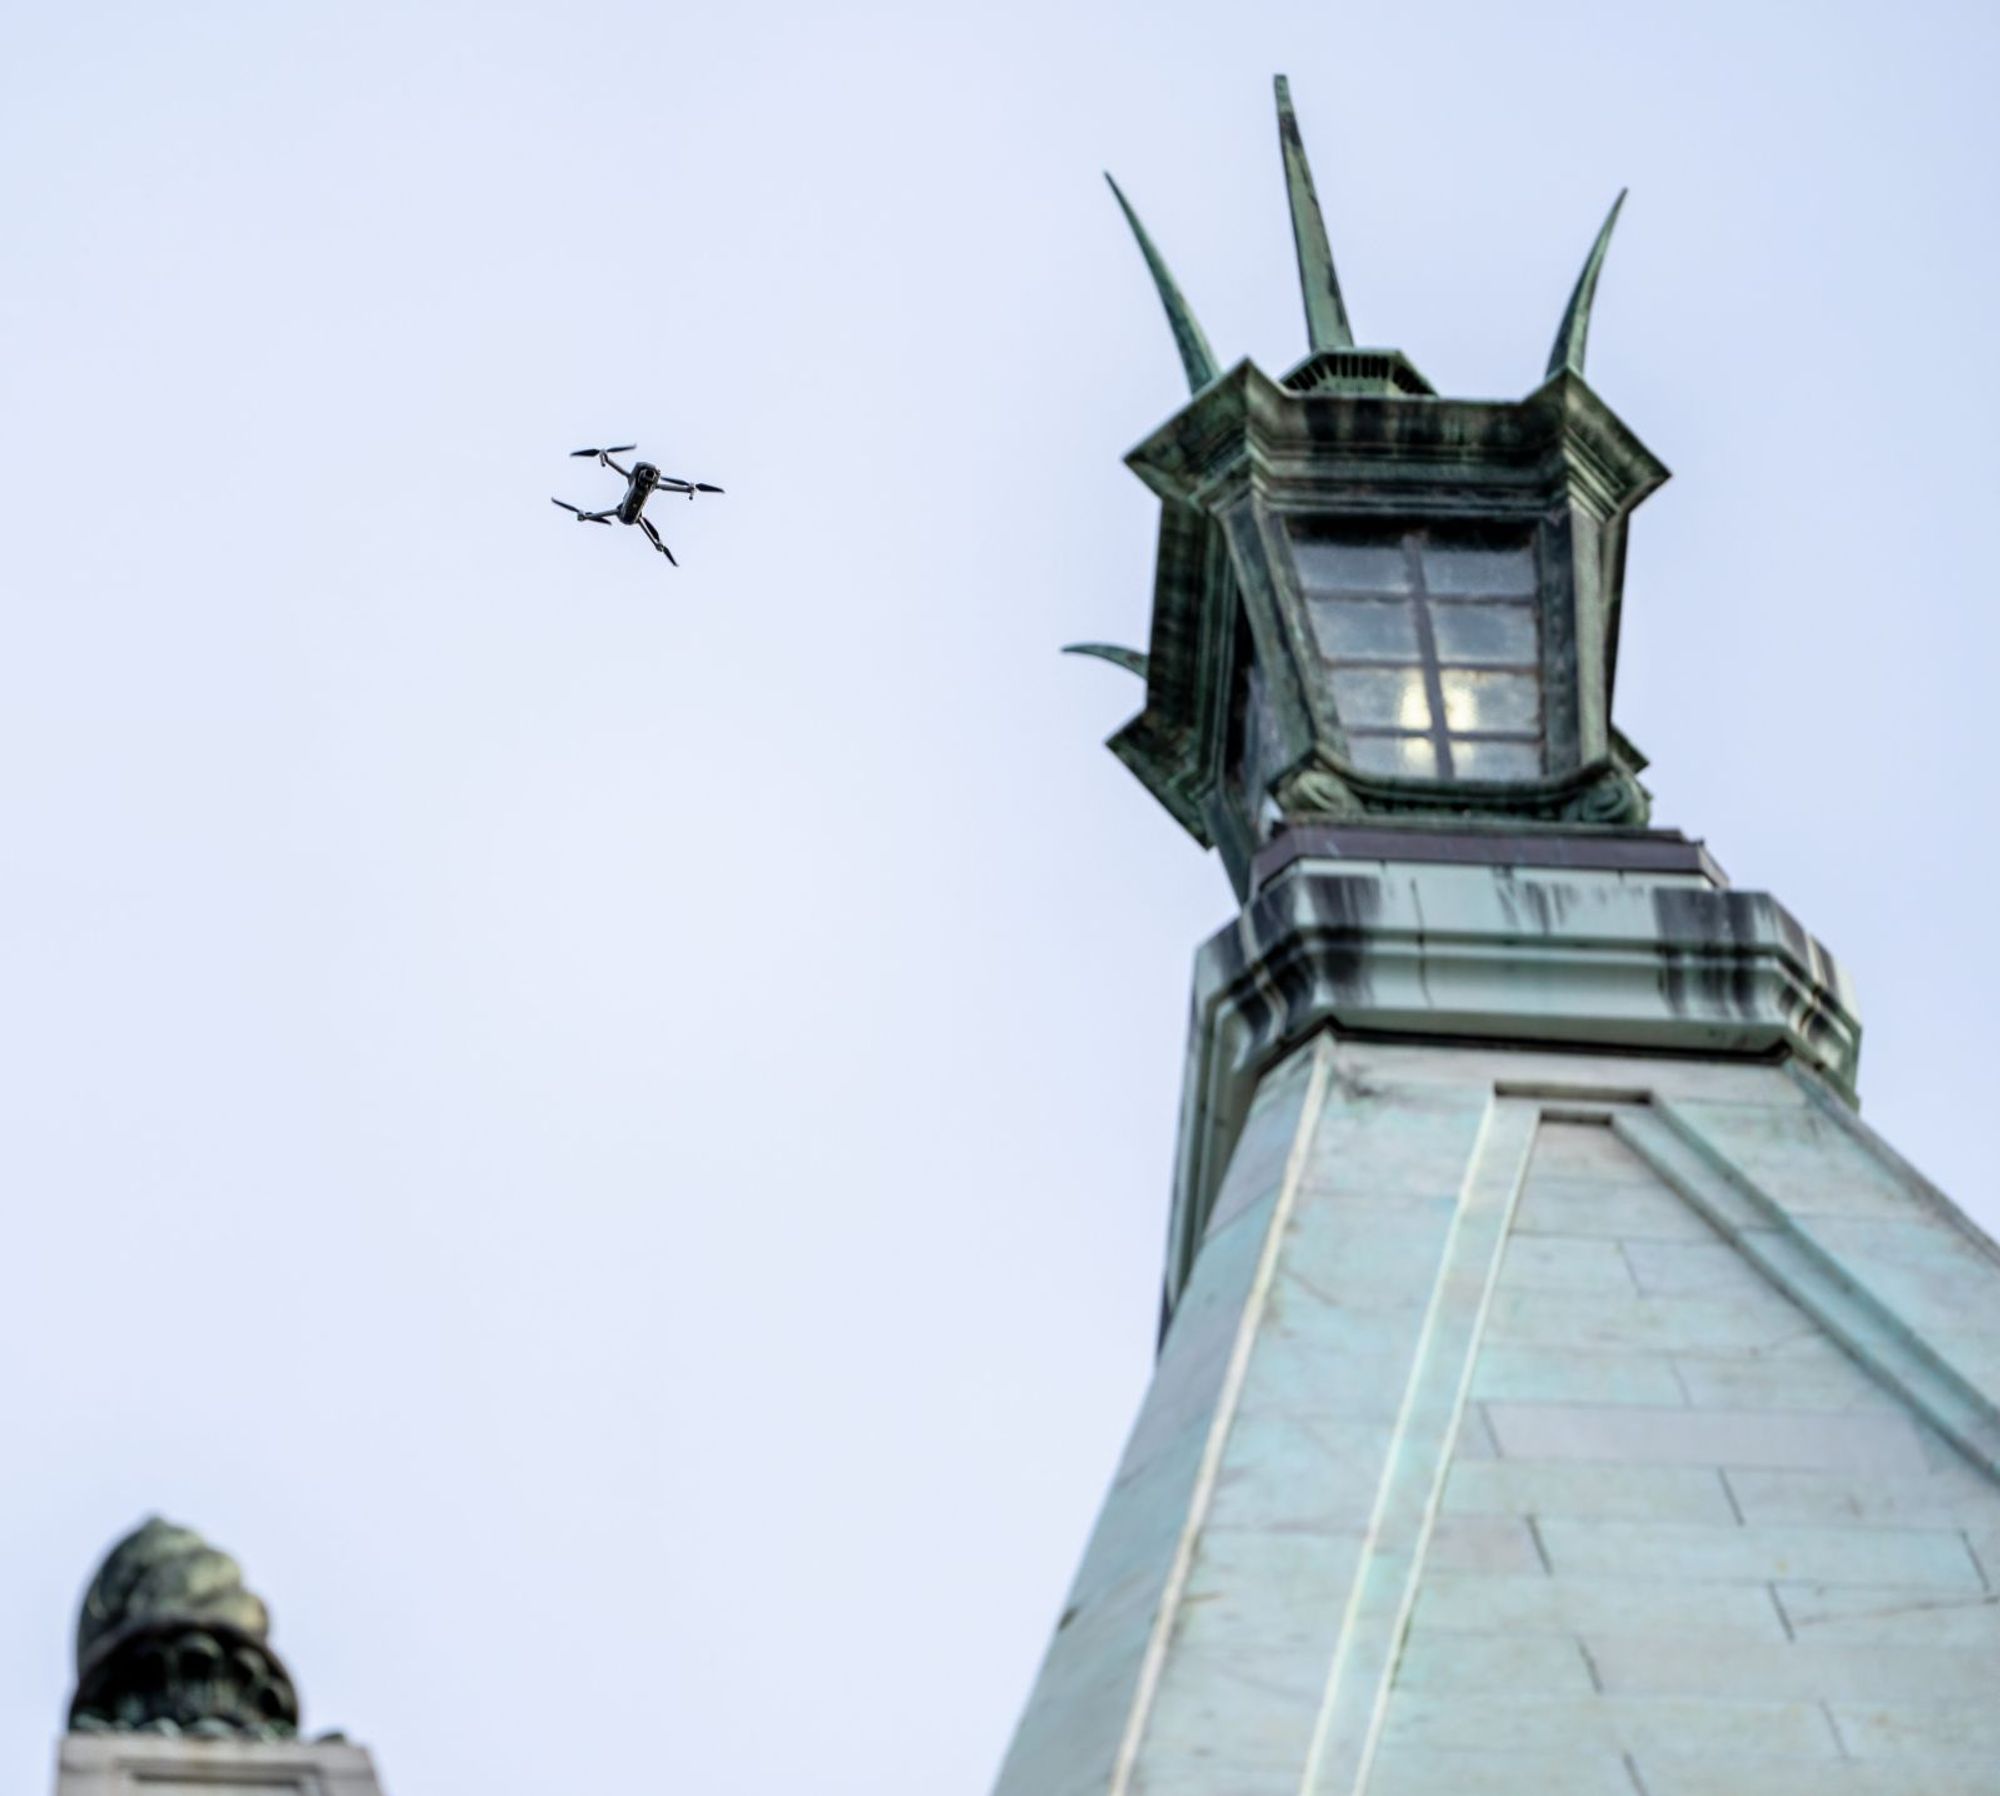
(1196, 356)
(1573, 337)
(1326, 313)
(1130, 659)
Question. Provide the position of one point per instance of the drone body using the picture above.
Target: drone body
(642, 481)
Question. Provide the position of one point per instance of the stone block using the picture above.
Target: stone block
(1299, 1473)
(1627, 1322)
(1694, 1269)
(1915, 1734)
(1589, 1076)
(1926, 1268)
(1563, 1263)
(1807, 1372)
(1799, 1671)
(1407, 1772)
(1706, 1437)
(1892, 1615)
(1507, 1723)
(1847, 1499)
(1254, 1633)
(1457, 1602)
(1475, 1440)
(1552, 1375)
(1394, 1140)
(1677, 1774)
(1930, 1557)
(1387, 1261)
(1801, 1159)
(1585, 1151)
(1270, 1131)
(1636, 1212)
(1535, 1664)
(1621, 1492)
(1483, 1543)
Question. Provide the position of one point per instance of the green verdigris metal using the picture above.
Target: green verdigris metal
(1574, 334)
(1196, 357)
(171, 1641)
(1326, 312)
(1243, 732)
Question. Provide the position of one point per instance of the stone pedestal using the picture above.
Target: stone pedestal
(158, 1765)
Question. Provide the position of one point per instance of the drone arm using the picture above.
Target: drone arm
(609, 463)
(646, 524)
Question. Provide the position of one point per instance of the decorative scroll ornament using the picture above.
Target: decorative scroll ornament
(170, 1641)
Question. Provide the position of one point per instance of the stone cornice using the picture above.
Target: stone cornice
(1497, 954)
(1476, 455)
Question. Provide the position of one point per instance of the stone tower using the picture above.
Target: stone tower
(1561, 1391)
(178, 1690)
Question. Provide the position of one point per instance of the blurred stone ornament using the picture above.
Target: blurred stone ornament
(171, 1641)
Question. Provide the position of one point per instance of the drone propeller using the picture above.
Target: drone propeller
(567, 506)
(615, 449)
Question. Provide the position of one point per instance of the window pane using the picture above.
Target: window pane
(1381, 698)
(1486, 633)
(1365, 629)
(1408, 757)
(1496, 760)
(1491, 701)
(1359, 567)
(1479, 570)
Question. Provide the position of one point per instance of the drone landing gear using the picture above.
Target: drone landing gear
(653, 536)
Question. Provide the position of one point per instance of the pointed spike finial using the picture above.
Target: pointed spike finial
(1196, 356)
(1326, 314)
(1573, 337)
(1131, 660)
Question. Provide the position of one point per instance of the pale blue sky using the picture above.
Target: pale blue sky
(608, 1130)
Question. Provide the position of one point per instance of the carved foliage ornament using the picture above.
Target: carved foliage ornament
(171, 1641)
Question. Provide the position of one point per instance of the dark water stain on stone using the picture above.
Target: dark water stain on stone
(1711, 947)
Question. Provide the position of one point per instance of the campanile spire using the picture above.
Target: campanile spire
(1560, 1388)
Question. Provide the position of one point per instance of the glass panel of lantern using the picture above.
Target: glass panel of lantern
(1431, 642)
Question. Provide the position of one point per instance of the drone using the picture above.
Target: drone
(642, 481)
